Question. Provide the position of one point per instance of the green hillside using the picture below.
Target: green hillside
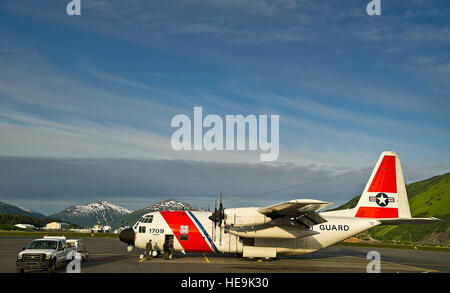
(427, 198)
(13, 210)
(430, 197)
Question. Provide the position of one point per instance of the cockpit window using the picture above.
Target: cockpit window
(147, 219)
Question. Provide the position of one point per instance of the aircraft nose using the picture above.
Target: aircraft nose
(127, 236)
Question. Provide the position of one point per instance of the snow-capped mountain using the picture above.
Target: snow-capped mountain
(167, 205)
(104, 212)
(171, 205)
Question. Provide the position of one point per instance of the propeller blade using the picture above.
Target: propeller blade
(213, 216)
(221, 216)
(214, 231)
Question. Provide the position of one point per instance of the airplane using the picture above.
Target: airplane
(294, 227)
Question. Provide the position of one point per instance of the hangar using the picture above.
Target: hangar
(57, 226)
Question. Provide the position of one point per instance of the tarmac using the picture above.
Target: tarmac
(109, 255)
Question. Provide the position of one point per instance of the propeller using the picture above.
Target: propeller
(218, 216)
(213, 218)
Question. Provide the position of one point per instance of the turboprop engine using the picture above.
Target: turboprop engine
(244, 217)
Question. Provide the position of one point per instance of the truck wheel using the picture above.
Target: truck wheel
(52, 267)
(19, 271)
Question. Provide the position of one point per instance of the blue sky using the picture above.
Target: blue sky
(345, 85)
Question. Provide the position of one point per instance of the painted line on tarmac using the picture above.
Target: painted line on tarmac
(391, 265)
(143, 259)
(429, 264)
(207, 260)
(109, 254)
(409, 268)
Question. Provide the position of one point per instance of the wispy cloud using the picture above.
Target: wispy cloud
(125, 117)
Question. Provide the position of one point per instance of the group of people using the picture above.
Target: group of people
(167, 249)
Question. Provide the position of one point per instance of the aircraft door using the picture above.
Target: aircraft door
(168, 238)
(168, 246)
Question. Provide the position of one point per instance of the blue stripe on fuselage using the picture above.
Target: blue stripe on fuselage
(203, 230)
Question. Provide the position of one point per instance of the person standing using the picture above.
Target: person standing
(166, 249)
(148, 250)
(171, 250)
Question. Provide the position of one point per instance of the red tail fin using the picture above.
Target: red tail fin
(385, 193)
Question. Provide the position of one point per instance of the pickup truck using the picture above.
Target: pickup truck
(43, 254)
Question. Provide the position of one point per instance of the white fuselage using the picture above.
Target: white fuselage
(195, 232)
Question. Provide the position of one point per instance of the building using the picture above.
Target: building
(25, 226)
(57, 226)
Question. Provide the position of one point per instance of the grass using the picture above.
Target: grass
(434, 201)
(68, 234)
(396, 246)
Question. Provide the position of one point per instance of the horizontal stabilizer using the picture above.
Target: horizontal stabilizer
(412, 221)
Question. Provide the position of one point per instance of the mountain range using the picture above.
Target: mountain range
(14, 210)
(103, 212)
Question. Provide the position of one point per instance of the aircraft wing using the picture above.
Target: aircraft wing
(294, 207)
(300, 211)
